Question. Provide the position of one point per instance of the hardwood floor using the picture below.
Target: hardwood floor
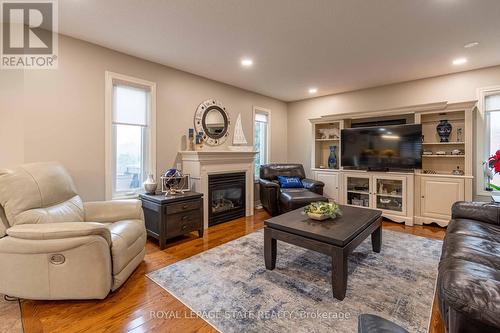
(137, 306)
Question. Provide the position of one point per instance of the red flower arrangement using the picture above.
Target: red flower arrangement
(494, 165)
(494, 162)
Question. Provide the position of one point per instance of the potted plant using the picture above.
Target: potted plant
(493, 165)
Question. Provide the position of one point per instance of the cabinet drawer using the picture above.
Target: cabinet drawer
(183, 206)
(181, 223)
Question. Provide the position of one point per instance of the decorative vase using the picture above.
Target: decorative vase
(150, 184)
(332, 159)
(444, 130)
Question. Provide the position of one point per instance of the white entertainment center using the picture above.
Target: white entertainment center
(420, 196)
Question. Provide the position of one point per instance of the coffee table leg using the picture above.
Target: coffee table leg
(269, 249)
(339, 273)
(377, 239)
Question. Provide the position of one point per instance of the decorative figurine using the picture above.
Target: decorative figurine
(199, 141)
(329, 133)
(444, 130)
(458, 171)
(191, 138)
(459, 135)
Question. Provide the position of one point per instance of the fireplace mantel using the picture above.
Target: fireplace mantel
(201, 163)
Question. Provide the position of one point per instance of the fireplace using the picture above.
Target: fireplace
(226, 197)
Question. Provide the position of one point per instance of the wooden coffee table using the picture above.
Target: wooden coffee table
(336, 238)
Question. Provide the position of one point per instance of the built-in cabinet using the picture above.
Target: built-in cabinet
(332, 185)
(420, 197)
(326, 145)
(438, 194)
(392, 193)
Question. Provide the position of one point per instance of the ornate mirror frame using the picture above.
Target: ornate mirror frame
(199, 121)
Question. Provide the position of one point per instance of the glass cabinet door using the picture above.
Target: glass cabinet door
(390, 194)
(357, 191)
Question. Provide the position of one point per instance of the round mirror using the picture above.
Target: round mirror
(212, 120)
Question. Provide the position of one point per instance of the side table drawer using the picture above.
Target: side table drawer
(183, 206)
(185, 222)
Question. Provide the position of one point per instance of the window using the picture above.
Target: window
(130, 134)
(492, 119)
(261, 137)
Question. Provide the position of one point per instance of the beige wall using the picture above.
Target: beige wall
(59, 114)
(452, 88)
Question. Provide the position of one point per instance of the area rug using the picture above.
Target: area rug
(10, 316)
(230, 287)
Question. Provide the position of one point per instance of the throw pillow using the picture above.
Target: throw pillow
(290, 182)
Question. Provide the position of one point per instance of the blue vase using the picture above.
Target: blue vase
(444, 130)
(332, 159)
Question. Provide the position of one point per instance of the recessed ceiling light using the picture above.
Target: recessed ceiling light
(313, 90)
(459, 61)
(246, 62)
(471, 44)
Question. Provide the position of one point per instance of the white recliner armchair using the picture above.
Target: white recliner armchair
(54, 246)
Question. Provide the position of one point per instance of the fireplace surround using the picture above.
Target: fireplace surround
(200, 165)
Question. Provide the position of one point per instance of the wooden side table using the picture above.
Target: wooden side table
(172, 215)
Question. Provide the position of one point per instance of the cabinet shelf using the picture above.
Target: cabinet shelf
(442, 143)
(326, 140)
(389, 195)
(443, 156)
(358, 192)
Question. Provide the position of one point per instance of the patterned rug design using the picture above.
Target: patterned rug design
(230, 287)
(10, 316)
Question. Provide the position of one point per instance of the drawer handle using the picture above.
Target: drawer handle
(185, 207)
(184, 227)
(185, 218)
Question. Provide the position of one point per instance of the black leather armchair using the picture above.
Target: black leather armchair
(468, 284)
(277, 200)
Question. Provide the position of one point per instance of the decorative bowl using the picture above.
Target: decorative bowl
(321, 211)
(318, 217)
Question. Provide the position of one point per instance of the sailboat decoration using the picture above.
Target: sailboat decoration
(239, 136)
(239, 141)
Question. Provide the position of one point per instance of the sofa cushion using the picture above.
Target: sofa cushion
(469, 270)
(39, 193)
(272, 171)
(294, 198)
(128, 239)
(478, 211)
(473, 228)
(471, 288)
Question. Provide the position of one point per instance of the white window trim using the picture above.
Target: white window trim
(258, 109)
(110, 79)
(481, 141)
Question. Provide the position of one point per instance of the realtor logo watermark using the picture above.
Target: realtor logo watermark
(29, 34)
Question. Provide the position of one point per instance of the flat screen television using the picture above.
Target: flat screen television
(382, 148)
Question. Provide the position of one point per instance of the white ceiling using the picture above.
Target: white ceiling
(335, 45)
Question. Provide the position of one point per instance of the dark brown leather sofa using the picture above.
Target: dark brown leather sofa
(469, 271)
(278, 200)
